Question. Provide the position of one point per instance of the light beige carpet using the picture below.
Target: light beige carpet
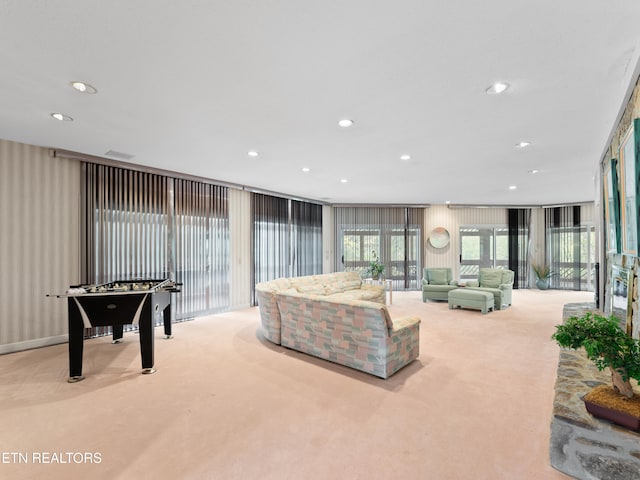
(226, 404)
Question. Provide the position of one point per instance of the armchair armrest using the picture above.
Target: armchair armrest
(473, 283)
(506, 286)
(454, 282)
(425, 282)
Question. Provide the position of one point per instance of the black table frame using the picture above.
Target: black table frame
(106, 310)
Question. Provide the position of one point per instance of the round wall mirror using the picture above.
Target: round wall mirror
(439, 237)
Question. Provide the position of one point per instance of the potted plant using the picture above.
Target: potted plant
(375, 267)
(608, 346)
(543, 275)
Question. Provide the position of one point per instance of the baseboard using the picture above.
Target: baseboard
(30, 344)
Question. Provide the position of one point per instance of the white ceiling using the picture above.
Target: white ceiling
(191, 86)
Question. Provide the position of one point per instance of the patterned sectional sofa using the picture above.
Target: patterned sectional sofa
(338, 318)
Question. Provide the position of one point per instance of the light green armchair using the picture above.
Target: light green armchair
(436, 283)
(498, 281)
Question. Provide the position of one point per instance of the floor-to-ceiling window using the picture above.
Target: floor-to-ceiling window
(570, 249)
(143, 225)
(287, 238)
(201, 221)
(485, 246)
(393, 234)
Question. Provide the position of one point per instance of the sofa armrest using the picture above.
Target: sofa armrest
(505, 286)
(425, 282)
(403, 323)
(473, 283)
(454, 282)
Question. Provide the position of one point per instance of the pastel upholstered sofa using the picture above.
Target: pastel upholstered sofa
(498, 281)
(340, 328)
(336, 286)
(437, 283)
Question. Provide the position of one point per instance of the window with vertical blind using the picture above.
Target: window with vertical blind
(485, 246)
(306, 238)
(142, 225)
(202, 247)
(287, 238)
(126, 225)
(570, 248)
(519, 227)
(395, 235)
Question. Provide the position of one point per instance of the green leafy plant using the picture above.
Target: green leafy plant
(606, 345)
(542, 271)
(376, 268)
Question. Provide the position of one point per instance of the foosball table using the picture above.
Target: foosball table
(116, 304)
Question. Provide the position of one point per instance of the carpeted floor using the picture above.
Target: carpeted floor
(226, 404)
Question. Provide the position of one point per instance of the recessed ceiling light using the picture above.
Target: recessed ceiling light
(498, 87)
(405, 157)
(344, 180)
(523, 144)
(447, 202)
(345, 122)
(512, 187)
(533, 172)
(62, 117)
(84, 87)
(306, 169)
(252, 153)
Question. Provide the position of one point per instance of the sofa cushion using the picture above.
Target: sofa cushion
(313, 289)
(309, 284)
(490, 278)
(351, 284)
(275, 285)
(438, 277)
(333, 288)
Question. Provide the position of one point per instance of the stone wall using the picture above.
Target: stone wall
(581, 445)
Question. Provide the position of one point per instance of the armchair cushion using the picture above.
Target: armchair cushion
(490, 278)
(438, 277)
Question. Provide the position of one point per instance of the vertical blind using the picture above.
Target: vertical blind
(143, 225)
(287, 238)
(306, 238)
(202, 247)
(519, 245)
(564, 252)
(393, 234)
(125, 223)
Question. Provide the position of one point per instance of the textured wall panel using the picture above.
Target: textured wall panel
(39, 244)
(328, 244)
(240, 248)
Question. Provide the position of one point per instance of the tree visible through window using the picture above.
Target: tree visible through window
(483, 247)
